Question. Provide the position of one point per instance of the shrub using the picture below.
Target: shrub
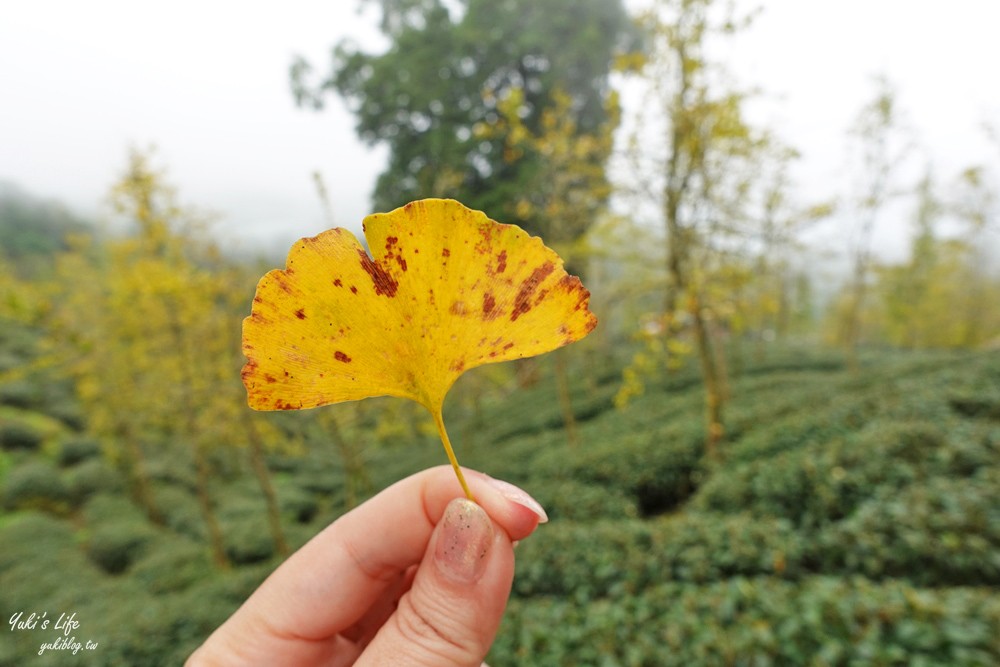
(35, 485)
(574, 500)
(824, 482)
(20, 435)
(90, 478)
(171, 564)
(823, 621)
(935, 533)
(296, 503)
(115, 546)
(660, 469)
(78, 449)
(248, 542)
(611, 558)
(25, 395)
(180, 510)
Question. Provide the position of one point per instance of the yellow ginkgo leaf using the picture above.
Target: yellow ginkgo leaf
(446, 289)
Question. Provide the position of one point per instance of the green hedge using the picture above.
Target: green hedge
(35, 485)
(936, 533)
(824, 482)
(20, 435)
(607, 558)
(762, 621)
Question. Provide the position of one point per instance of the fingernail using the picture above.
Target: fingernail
(464, 541)
(519, 496)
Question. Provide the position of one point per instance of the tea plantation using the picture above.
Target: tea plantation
(853, 520)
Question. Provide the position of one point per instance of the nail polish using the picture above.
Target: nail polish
(519, 496)
(464, 540)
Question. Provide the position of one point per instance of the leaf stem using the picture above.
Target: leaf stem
(439, 420)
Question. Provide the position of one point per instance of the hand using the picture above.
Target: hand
(418, 575)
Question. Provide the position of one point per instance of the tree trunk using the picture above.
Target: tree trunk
(356, 476)
(714, 396)
(142, 488)
(565, 398)
(267, 488)
(207, 511)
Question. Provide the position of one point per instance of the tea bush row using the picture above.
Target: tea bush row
(757, 621)
(824, 482)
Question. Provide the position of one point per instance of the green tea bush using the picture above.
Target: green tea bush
(170, 564)
(20, 435)
(35, 485)
(244, 526)
(587, 560)
(115, 546)
(248, 541)
(825, 481)
(22, 394)
(116, 532)
(835, 417)
(296, 504)
(180, 510)
(571, 499)
(77, 449)
(822, 621)
(936, 533)
(660, 468)
(92, 477)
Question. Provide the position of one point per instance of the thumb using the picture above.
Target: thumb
(451, 614)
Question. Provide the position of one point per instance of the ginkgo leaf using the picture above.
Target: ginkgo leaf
(446, 289)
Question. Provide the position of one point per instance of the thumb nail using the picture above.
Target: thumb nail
(463, 545)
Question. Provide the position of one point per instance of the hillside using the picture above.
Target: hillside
(854, 520)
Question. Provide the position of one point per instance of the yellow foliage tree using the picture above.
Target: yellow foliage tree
(152, 318)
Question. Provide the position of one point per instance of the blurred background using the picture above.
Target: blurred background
(780, 446)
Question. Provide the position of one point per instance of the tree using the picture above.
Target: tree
(152, 317)
(877, 134)
(698, 175)
(446, 75)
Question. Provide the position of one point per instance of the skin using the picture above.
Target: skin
(415, 576)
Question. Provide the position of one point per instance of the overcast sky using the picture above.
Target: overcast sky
(207, 83)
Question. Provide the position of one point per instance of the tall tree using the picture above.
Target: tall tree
(448, 70)
(698, 175)
(878, 135)
(157, 353)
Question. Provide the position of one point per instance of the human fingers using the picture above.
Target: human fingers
(451, 614)
(330, 584)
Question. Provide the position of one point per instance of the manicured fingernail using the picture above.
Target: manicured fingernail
(464, 541)
(519, 496)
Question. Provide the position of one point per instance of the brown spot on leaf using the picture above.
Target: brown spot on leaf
(354, 290)
(300, 313)
(401, 262)
(507, 346)
(389, 242)
(522, 302)
(457, 308)
(270, 379)
(337, 283)
(458, 366)
(340, 356)
(383, 282)
(489, 306)
(502, 261)
(445, 252)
